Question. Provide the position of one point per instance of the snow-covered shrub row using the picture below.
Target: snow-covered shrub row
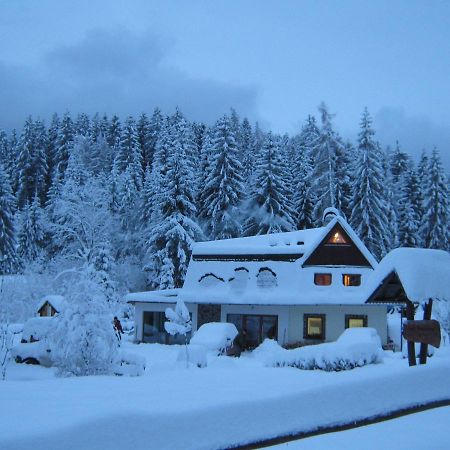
(354, 348)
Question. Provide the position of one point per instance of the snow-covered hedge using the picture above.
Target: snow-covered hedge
(356, 347)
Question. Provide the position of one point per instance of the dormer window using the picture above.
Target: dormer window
(337, 239)
(322, 279)
(351, 279)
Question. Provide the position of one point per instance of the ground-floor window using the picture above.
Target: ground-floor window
(154, 332)
(355, 321)
(254, 328)
(314, 326)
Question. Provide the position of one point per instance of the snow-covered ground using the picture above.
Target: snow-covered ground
(230, 402)
(426, 430)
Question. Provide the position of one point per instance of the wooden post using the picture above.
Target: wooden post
(424, 347)
(411, 345)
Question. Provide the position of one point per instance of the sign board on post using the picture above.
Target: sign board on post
(423, 331)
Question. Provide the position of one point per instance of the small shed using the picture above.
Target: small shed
(50, 305)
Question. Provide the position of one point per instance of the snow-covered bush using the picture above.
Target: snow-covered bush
(215, 336)
(356, 347)
(83, 341)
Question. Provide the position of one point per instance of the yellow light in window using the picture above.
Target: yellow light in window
(314, 326)
(337, 238)
(356, 323)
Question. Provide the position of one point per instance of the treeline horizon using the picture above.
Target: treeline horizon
(124, 199)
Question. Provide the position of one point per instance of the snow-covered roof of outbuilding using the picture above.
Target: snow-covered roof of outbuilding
(423, 273)
(163, 296)
(57, 301)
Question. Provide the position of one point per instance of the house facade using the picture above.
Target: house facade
(298, 287)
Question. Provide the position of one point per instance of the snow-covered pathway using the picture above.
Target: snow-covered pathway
(233, 401)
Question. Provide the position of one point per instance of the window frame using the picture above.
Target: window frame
(323, 274)
(349, 317)
(358, 275)
(316, 337)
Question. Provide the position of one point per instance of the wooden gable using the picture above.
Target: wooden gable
(47, 310)
(337, 249)
(389, 291)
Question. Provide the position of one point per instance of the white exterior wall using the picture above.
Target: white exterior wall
(335, 319)
(140, 308)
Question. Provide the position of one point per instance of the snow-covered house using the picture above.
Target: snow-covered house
(299, 286)
(50, 305)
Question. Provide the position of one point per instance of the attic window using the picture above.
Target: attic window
(209, 279)
(300, 243)
(266, 278)
(322, 279)
(351, 279)
(337, 239)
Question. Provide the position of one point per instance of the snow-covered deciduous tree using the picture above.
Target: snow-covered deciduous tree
(435, 228)
(179, 322)
(269, 209)
(83, 341)
(368, 205)
(8, 254)
(223, 190)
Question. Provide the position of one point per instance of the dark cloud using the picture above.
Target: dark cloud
(414, 133)
(114, 72)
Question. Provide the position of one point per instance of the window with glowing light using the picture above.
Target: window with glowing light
(337, 239)
(314, 326)
(351, 280)
(355, 321)
(322, 279)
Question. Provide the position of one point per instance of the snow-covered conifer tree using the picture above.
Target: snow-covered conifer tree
(8, 255)
(31, 232)
(170, 241)
(114, 132)
(269, 209)
(26, 182)
(64, 145)
(369, 218)
(129, 156)
(329, 145)
(435, 228)
(223, 190)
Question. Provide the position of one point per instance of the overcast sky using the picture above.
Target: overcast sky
(274, 61)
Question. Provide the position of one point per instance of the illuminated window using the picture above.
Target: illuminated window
(337, 238)
(351, 280)
(314, 326)
(322, 279)
(352, 321)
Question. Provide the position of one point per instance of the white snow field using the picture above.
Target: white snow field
(427, 430)
(230, 402)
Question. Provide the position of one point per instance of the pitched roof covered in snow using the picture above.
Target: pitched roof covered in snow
(57, 301)
(269, 269)
(423, 273)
